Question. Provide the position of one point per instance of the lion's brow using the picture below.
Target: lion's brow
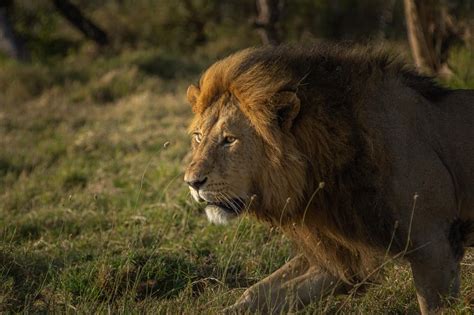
(210, 122)
(215, 111)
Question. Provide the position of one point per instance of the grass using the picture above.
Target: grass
(94, 216)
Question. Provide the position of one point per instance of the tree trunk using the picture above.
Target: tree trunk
(431, 32)
(386, 18)
(76, 18)
(10, 43)
(268, 16)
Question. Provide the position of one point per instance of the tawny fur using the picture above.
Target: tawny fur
(323, 176)
(325, 145)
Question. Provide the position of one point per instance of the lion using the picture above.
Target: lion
(353, 154)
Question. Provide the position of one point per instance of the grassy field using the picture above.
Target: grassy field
(94, 215)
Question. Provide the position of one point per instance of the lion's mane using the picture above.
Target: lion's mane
(322, 182)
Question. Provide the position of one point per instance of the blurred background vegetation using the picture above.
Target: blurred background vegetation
(168, 38)
(94, 216)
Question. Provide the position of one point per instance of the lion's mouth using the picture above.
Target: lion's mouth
(233, 206)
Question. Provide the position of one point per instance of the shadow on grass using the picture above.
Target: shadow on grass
(163, 276)
(15, 168)
(26, 279)
(23, 277)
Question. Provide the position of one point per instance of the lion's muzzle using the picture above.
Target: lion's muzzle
(196, 182)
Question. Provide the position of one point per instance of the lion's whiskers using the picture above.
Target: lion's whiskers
(231, 202)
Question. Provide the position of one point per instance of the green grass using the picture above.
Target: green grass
(94, 216)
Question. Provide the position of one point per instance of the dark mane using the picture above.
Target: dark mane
(424, 85)
(329, 144)
(343, 60)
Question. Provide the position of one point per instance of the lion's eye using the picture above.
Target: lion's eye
(229, 140)
(197, 137)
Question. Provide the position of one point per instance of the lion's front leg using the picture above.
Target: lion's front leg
(290, 287)
(251, 297)
(436, 275)
(301, 291)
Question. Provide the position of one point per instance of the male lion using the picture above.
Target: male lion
(355, 156)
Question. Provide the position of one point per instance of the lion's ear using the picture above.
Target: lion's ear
(287, 108)
(192, 95)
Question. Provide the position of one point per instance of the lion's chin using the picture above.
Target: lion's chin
(218, 215)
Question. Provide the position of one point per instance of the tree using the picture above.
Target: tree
(78, 20)
(268, 16)
(385, 18)
(431, 33)
(10, 42)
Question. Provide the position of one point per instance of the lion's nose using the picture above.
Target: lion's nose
(196, 183)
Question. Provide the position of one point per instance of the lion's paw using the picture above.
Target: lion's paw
(243, 305)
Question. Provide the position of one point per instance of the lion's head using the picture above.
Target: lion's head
(273, 124)
(243, 120)
(225, 159)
